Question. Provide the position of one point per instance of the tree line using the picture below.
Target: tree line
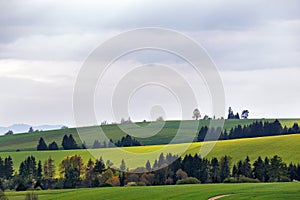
(166, 170)
(69, 143)
(255, 129)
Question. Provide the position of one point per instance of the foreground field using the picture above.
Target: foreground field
(28, 141)
(287, 147)
(238, 191)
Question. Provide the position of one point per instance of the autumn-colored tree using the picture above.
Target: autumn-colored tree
(105, 176)
(49, 172)
(90, 173)
(72, 169)
(147, 178)
(180, 174)
(114, 181)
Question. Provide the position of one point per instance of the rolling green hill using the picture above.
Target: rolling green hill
(28, 141)
(201, 192)
(287, 147)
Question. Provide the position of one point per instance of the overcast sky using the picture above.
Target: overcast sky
(254, 44)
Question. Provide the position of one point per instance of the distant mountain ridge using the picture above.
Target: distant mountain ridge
(22, 128)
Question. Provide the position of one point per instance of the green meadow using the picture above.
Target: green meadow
(287, 147)
(259, 191)
(151, 133)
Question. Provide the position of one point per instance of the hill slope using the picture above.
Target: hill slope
(28, 141)
(203, 191)
(287, 146)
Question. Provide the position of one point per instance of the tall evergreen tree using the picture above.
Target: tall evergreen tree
(28, 169)
(2, 169)
(8, 168)
(259, 169)
(148, 166)
(240, 169)
(96, 144)
(42, 146)
(90, 174)
(215, 171)
(39, 171)
(267, 167)
(235, 171)
(277, 169)
(53, 146)
(225, 167)
(161, 160)
(72, 142)
(247, 171)
(99, 166)
(292, 171)
(65, 142)
(123, 166)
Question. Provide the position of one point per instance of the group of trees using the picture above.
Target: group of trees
(169, 169)
(42, 146)
(68, 143)
(231, 115)
(128, 141)
(6, 168)
(255, 129)
(218, 171)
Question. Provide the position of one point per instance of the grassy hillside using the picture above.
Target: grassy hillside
(201, 192)
(28, 141)
(288, 147)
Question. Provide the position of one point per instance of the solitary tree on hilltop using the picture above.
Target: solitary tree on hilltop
(30, 130)
(196, 114)
(230, 113)
(10, 132)
(245, 114)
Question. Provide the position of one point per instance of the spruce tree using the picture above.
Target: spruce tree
(215, 171)
(99, 166)
(53, 146)
(72, 142)
(39, 171)
(2, 169)
(123, 166)
(65, 143)
(8, 167)
(148, 166)
(247, 171)
(42, 146)
(225, 167)
(259, 169)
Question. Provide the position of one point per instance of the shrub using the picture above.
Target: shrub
(106, 185)
(189, 180)
(284, 179)
(21, 187)
(131, 184)
(241, 179)
(59, 184)
(141, 184)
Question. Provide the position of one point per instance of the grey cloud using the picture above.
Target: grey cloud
(19, 19)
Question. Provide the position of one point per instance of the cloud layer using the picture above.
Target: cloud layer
(255, 44)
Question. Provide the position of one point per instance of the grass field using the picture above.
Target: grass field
(258, 191)
(28, 141)
(287, 146)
